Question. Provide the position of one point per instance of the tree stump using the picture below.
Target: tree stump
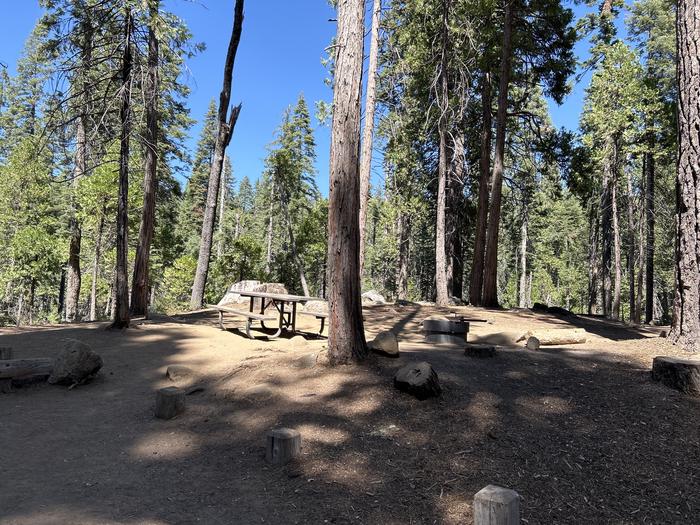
(419, 380)
(479, 350)
(170, 402)
(532, 343)
(681, 374)
(496, 506)
(283, 444)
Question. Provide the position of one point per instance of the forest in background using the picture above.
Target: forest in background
(585, 220)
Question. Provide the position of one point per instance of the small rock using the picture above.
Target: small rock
(298, 341)
(419, 380)
(306, 361)
(385, 344)
(179, 373)
(260, 390)
(75, 364)
(479, 350)
(532, 343)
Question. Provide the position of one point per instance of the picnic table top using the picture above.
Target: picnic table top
(281, 297)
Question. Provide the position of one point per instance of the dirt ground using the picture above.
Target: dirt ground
(581, 433)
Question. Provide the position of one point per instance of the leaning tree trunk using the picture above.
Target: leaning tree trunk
(370, 103)
(225, 125)
(490, 293)
(346, 335)
(477, 275)
(140, 281)
(442, 297)
(685, 329)
(121, 284)
(649, 175)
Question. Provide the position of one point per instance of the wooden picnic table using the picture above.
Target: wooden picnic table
(285, 304)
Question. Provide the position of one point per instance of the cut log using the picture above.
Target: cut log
(283, 444)
(496, 506)
(23, 368)
(681, 374)
(5, 352)
(556, 336)
(170, 402)
(532, 343)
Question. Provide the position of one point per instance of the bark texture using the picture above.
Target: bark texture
(368, 130)
(226, 123)
(685, 328)
(442, 297)
(477, 275)
(346, 336)
(120, 311)
(140, 281)
(490, 292)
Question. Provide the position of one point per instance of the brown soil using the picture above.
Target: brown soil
(581, 433)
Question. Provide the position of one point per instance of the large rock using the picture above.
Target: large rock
(681, 374)
(75, 364)
(386, 344)
(419, 380)
(233, 296)
(316, 307)
(373, 297)
(271, 288)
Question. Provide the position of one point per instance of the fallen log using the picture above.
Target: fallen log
(556, 336)
(24, 368)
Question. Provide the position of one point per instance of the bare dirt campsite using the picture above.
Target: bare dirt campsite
(581, 432)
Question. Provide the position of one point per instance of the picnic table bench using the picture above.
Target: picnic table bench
(286, 317)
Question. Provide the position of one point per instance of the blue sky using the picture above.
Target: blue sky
(279, 57)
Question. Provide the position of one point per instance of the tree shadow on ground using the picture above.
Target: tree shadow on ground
(583, 437)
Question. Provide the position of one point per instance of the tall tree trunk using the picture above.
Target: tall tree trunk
(222, 211)
(140, 281)
(121, 284)
(594, 230)
(225, 125)
(346, 335)
(477, 275)
(442, 297)
(368, 131)
(685, 328)
(96, 266)
(268, 256)
(490, 293)
(649, 175)
(404, 235)
(293, 246)
(74, 274)
(455, 185)
(616, 237)
(522, 299)
(606, 226)
(631, 251)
